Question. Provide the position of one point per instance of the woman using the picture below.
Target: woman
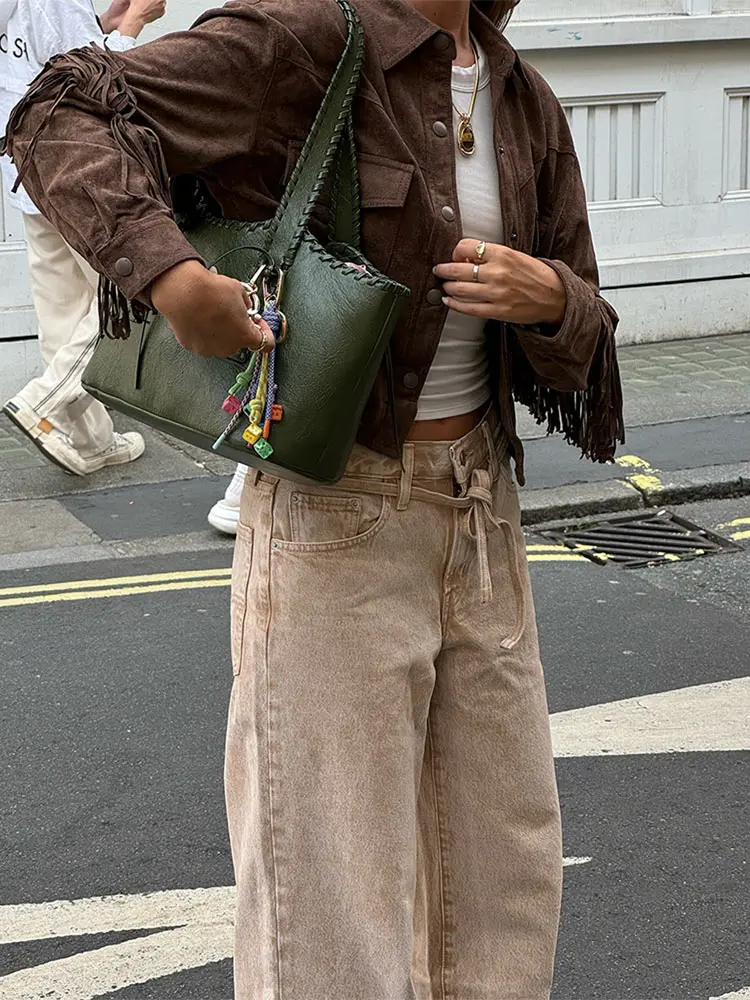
(390, 781)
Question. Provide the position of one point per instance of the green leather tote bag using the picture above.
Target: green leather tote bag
(296, 413)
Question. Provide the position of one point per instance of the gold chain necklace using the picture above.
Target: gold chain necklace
(465, 137)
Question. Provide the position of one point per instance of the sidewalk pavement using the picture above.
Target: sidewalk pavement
(688, 418)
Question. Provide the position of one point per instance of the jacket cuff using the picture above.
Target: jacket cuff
(137, 255)
(579, 299)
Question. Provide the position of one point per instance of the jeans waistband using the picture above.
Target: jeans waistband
(474, 464)
(484, 447)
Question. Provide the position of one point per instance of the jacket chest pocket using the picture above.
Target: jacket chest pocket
(384, 187)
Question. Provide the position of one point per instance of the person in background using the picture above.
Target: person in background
(71, 429)
(225, 513)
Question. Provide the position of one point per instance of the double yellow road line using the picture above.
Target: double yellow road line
(739, 530)
(197, 579)
(115, 586)
(554, 553)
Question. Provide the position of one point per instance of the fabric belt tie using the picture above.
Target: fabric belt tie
(478, 516)
(477, 502)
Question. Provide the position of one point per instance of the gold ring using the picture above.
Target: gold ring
(481, 249)
(475, 274)
(263, 340)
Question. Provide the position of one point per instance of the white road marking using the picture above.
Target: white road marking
(202, 928)
(202, 923)
(95, 973)
(101, 914)
(742, 995)
(707, 717)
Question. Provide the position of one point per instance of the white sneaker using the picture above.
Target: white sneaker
(58, 447)
(125, 448)
(225, 514)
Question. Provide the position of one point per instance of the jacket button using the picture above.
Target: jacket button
(447, 213)
(411, 380)
(440, 129)
(442, 41)
(124, 267)
(435, 296)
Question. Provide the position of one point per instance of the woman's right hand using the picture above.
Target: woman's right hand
(208, 311)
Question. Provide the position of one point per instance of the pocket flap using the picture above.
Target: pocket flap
(385, 183)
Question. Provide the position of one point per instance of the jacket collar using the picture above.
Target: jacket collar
(398, 30)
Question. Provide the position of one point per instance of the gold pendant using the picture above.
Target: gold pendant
(466, 141)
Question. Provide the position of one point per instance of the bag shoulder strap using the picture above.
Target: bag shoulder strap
(316, 160)
(345, 223)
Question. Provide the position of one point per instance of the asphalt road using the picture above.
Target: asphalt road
(683, 444)
(112, 715)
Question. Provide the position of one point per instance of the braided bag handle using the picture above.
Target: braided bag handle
(332, 122)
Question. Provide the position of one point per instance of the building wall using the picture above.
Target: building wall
(658, 97)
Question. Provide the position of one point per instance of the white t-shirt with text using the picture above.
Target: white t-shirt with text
(31, 32)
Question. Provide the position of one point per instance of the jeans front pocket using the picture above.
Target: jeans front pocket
(316, 518)
(241, 570)
(324, 520)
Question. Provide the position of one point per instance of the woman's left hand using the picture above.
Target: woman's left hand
(510, 286)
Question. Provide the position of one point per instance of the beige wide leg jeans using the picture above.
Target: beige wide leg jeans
(390, 782)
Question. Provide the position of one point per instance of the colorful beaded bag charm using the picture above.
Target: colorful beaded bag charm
(253, 395)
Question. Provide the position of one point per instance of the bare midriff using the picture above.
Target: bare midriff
(447, 428)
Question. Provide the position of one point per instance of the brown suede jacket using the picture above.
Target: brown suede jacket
(232, 100)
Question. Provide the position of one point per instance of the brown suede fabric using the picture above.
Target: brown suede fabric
(233, 99)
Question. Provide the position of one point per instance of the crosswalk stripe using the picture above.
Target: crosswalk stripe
(703, 718)
(91, 974)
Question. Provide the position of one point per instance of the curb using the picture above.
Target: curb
(711, 482)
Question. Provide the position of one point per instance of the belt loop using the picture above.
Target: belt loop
(253, 475)
(491, 451)
(407, 476)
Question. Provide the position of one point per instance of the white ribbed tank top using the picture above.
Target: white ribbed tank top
(458, 380)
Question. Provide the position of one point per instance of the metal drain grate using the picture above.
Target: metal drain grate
(642, 540)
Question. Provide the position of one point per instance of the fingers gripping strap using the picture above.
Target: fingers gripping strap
(319, 152)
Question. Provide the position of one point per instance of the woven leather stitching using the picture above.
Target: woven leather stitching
(351, 63)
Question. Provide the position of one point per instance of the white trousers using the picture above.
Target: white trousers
(64, 289)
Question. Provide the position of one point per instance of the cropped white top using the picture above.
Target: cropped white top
(458, 380)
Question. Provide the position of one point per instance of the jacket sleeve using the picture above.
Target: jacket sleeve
(99, 133)
(563, 358)
(569, 376)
